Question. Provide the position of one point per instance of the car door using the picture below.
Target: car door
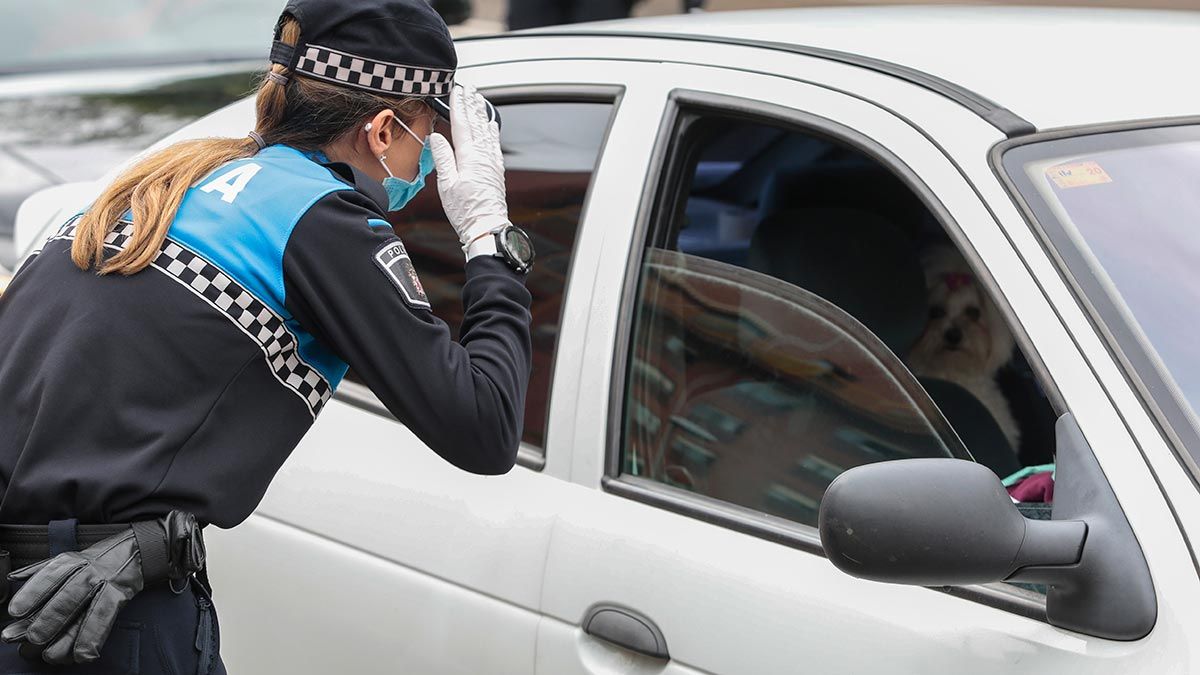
(369, 550)
(684, 570)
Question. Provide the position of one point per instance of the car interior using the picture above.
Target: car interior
(830, 221)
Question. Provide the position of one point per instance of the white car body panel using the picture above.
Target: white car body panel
(360, 613)
(369, 554)
(1053, 66)
(49, 208)
(458, 556)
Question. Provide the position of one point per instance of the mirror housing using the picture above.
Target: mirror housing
(944, 522)
(934, 522)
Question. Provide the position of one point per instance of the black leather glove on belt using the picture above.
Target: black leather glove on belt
(68, 604)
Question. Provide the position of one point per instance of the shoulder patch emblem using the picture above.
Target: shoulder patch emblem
(392, 259)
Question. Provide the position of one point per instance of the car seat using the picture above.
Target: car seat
(842, 180)
(857, 260)
(870, 268)
(975, 425)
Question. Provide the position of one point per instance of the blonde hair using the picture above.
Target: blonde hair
(305, 113)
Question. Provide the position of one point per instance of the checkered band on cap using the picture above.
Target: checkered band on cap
(378, 76)
(251, 315)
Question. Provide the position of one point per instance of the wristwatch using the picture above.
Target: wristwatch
(507, 242)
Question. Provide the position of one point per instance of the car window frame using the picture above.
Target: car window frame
(663, 191)
(528, 456)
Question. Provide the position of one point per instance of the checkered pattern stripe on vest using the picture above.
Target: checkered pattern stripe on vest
(250, 315)
(380, 76)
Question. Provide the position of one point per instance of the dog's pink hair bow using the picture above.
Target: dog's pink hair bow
(956, 280)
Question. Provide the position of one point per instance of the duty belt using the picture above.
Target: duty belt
(22, 545)
(28, 544)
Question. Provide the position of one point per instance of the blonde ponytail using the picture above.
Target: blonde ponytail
(304, 113)
(154, 187)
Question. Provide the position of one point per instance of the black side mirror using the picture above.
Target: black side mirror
(943, 522)
(934, 522)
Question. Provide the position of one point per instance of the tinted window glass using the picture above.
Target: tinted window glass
(550, 151)
(800, 312)
(1121, 209)
(759, 393)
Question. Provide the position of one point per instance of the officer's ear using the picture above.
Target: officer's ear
(380, 132)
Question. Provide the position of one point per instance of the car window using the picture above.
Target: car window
(799, 312)
(1109, 203)
(760, 393)
(550, 150)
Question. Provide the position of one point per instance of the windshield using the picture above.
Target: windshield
(1122, 209)
(63, 34)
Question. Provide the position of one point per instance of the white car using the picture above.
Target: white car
(730, 213)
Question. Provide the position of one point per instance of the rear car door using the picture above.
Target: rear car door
(370, 550)
(688, 544)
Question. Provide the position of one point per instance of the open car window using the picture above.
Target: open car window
(799, 311)
(757, 392)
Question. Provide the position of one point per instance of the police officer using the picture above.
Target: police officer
(168, 347)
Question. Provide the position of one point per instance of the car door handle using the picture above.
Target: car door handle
(626, 628)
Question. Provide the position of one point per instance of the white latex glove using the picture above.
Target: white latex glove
(470, 175)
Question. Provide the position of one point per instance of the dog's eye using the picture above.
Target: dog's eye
(936, 312)
(972, 313)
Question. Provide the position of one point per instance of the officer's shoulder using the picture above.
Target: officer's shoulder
(301, 181)
(359, 206)
(354, 206)
(360, 182)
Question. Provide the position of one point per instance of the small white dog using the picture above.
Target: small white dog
(965, 341)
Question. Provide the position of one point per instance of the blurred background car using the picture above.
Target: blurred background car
(83, 85)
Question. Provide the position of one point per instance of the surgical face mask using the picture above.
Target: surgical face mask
(399, 191)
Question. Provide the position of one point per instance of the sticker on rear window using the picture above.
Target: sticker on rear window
(393, 259)
(1078, 174)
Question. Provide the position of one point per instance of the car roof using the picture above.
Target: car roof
(1052, 66)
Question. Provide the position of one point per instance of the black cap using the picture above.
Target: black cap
(391, 47)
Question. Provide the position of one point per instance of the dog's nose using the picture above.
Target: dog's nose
(953, 335)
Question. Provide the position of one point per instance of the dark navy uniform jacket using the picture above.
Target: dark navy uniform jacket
(186, 385)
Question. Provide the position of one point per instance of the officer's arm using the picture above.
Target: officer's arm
(465, 400)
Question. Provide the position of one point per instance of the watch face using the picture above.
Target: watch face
(518, 245)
